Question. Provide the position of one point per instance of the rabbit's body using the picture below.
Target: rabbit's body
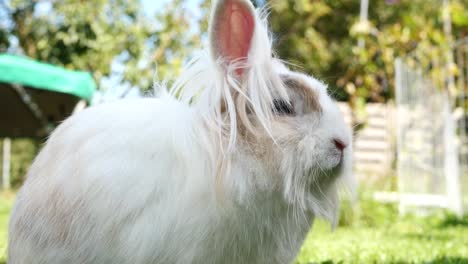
(234, 171)
(159, 208)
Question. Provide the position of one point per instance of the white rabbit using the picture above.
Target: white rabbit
(233, 171)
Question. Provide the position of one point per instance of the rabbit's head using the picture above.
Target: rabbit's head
(283, 123)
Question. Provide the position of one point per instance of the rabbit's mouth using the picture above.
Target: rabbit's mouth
(332, 162)
(324, 178)
(321, 174)
(338, 169)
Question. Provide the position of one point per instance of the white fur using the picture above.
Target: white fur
(165, 180)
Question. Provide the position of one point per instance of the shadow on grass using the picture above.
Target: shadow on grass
(454, 221)
(439, 260)
(451, 260)
(426, 237)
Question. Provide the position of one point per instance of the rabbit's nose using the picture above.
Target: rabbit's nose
(339, 144)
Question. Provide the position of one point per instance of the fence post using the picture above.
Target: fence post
(399, 144)
(6, 163)
(451, 163)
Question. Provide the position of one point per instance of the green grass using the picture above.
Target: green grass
(438, 239)
(371, 233)
(6, 201)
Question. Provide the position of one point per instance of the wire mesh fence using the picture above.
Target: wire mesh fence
(432, 144)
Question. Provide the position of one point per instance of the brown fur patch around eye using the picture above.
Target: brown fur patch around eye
(310, 97)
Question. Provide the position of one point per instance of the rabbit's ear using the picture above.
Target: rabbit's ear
(231, 30)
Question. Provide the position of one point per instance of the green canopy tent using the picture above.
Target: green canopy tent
(35, 96)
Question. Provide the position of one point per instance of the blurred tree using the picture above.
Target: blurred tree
(318, 36)
(105, 37)
(179, 33)
(321, 37)
(314, 35)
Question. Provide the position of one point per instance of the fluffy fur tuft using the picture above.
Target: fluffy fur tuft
(254, 93)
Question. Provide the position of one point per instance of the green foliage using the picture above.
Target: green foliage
(367, 212)
(459, 15)
(322, 38)
(96, 35)
(319, 36)
(297, 40)
(175, 40)
(23, 152)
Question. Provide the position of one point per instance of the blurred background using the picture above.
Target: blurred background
(398, 68)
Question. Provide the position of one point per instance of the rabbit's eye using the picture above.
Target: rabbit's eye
(281, 107)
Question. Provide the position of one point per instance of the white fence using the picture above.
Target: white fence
(374, 144)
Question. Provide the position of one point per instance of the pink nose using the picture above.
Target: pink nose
(339, 144)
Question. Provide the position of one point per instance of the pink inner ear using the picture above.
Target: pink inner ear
(235, 31)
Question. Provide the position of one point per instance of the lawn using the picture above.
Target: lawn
(438, 239)
(6, 200)
(375, 235)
